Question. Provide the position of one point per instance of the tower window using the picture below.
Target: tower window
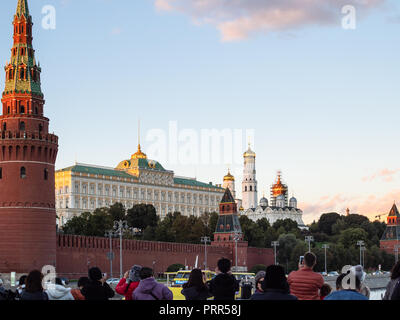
(40, 128)
(22, 74)
(4, 126)
(251, 188)
(46, 174)
(8, 110)
(22, 109)
(22, 126)
(23, 173)
(245, 188)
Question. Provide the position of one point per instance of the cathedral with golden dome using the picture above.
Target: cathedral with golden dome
(280, 207)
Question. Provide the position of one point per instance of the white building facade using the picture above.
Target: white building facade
(84, 188)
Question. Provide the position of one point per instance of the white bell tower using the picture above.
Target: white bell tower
(249, 184)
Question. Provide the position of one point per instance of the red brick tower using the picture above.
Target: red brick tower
(228, 226)
(27, 157)
(391, 236)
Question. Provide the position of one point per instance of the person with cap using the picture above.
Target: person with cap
(275, 286)
(259, 278)
(129, 282)
(97, 287)
(360, 274)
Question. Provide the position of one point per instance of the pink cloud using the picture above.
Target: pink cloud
(386, 175)
(239, 19)
(369, 205)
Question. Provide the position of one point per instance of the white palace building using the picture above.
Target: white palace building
(84, 188)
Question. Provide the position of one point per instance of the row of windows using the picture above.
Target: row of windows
(250, 189)
(23, 174)
(21, 109)
(22, 126)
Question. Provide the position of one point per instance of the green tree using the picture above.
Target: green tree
(117, 211)
(349, 237)
(286, 244)
(326, 222)
(142, 216)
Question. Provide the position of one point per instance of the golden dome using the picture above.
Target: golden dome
(229, 177)
(249, 153)
(279, 188)
(139, 154)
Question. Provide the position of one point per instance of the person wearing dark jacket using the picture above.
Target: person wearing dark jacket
(34, 289)
(97, 288)
(195, 288)
(396, 292)
(224, 286)
(275, 286)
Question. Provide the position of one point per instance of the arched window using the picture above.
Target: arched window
(22, 126)
(40, 128)
(36, 110)
(245, 188)
(22, 74)
(251, 188)
(8, 110)
(22, 109)
(46, 174)
(23, 173)
(4, 126)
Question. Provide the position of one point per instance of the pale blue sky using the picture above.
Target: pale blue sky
(323, 101)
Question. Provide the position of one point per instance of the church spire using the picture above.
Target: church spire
(22, 9)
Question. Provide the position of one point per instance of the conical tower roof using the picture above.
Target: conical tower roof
(22, 8)
(394, 212)
(227, 198)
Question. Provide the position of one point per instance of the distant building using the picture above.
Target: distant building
(82, 188)
(391, 236)
(279, 208)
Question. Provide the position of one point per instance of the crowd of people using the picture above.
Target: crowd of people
(272, 284)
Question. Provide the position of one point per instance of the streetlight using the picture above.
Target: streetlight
(110, 234)
(236, 238)
(275, 244)
(360, 243)
(325, 246)
(205, 240)
(363, 249)
(309, 239)
(119, 227)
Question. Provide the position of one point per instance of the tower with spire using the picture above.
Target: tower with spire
(391, 236)
(249, 183)
(27, 158)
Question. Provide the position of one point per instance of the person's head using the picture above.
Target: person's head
(275, 278)
(224, 265)
(22, 280)
(341, 279)
(83, 281)
(134, 273)
(34, 282)
(259, 278)
(95, 274)
(326, 289)
(195, 280)
(396, 271)
(145, 273)
(310, 260)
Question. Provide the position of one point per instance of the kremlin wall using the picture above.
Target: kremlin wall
(75, 254)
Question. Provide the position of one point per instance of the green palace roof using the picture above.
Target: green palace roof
(96, 170)
(195, 183)
(80, 168)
